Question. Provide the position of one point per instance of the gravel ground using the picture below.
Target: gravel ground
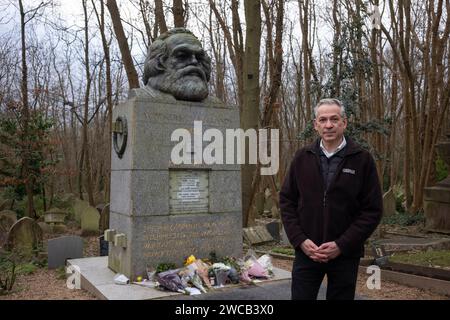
(44, 284)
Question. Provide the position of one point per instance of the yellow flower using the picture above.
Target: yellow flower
(189, 260)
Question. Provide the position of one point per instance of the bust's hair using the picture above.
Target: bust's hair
(158, 53)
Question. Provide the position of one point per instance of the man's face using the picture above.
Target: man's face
(329, 123)
(185, 77)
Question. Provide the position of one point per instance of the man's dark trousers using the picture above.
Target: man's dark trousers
(307, 275)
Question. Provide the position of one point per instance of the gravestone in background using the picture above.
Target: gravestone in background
(90, 219)
(437, 198)
(162, 212)
(78, 209)
(389, 203)
(24, 237)
(63, 248)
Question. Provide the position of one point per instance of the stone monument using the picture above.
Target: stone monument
(162, 211)
(437, 198)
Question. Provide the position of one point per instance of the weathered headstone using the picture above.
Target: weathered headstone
(63, 248)
(78, 208)
(9, 213)
(257, 235)
(161, 210)
(437, 198)
(389, 203)
(90, 221)
(25, 237)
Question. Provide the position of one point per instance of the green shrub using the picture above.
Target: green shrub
(404, 219)
(26, 268)
(165, 267)
(439, 258)
(399, 198)
(61, 273)
(8, 272)
(288, 251)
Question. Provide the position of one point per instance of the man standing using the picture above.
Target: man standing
(330, 204)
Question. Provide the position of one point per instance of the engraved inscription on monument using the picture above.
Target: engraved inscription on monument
(188, 191)
(163, 240)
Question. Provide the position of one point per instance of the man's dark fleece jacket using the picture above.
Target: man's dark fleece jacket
(347, 212)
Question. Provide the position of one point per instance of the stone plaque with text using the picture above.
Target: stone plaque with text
(188, 191)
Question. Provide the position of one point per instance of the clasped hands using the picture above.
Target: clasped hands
(324, 253)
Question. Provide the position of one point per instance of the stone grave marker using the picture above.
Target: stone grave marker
(257, 235)
(63, 248)
(25, 236)
(389, 203)
(78, 208)
(90, 221)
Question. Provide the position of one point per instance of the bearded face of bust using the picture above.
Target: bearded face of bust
(178, 65)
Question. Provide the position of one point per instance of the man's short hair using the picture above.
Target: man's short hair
(330, 101)
(158, 53)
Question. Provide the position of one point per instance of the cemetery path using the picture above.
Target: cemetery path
(389, 290)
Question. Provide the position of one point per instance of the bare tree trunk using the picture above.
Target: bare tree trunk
(376, 92)
(159, 16)
(336, 51)
(304, 14)
(250, 110)
(234, 44)
(86, 108)
(133, 80)
(25, 119)
(178, 14)
(144, 7)
(101, 22)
